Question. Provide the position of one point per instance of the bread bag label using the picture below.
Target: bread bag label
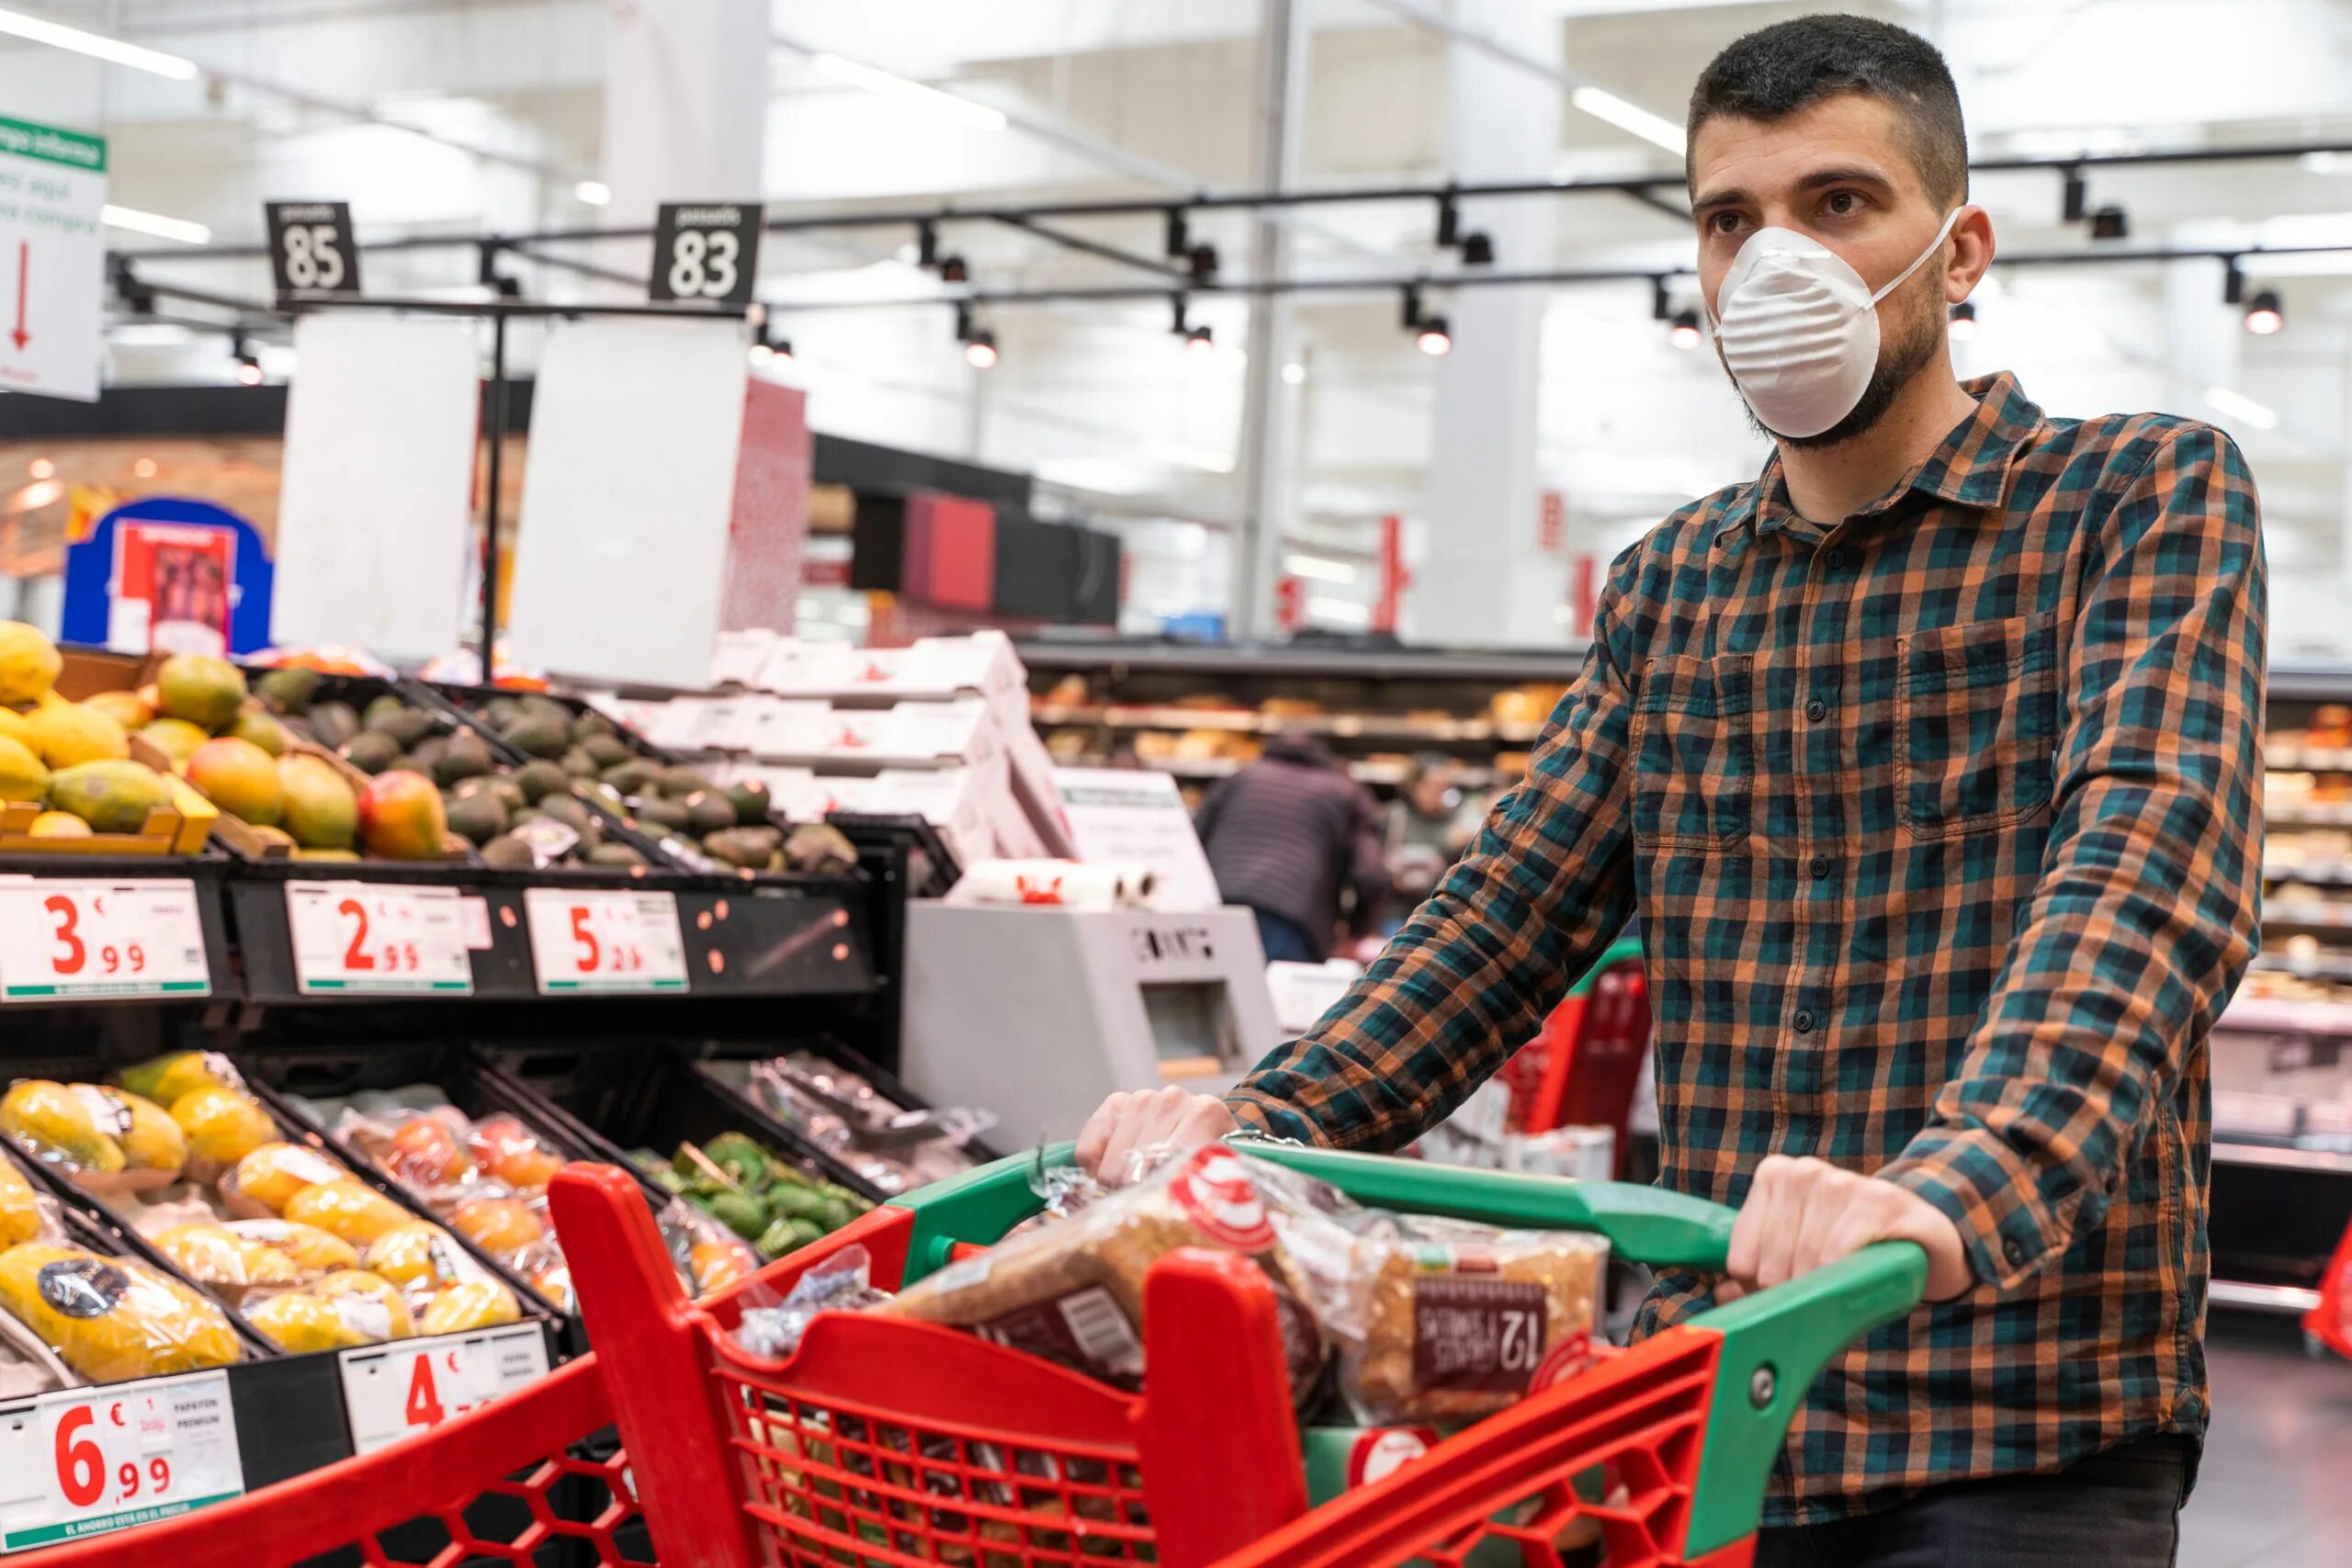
(1477, 1331)
(1083, 1329)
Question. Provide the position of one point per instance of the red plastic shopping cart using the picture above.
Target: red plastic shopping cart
(2329, 1322)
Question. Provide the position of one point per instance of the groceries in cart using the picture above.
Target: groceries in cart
(894, 1146)
(70, 1314)
(758, 1196)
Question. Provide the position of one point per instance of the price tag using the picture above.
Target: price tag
(706, 250)
(391, 1392)
(82, 1462)
(377, 937)
(603, 941)
(311, 250)
(101, 939)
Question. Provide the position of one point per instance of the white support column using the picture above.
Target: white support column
(1480, 578)
(685, 104)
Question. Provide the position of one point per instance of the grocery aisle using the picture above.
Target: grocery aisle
(2273, 1492)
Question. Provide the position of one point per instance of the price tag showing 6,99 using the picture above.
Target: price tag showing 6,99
(82, 1462)
(598, 940)
(377, 937)
(101, 939)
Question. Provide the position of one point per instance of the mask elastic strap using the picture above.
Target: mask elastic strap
(1951, 219)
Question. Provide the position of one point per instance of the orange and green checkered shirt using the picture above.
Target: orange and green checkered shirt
(1943, 824)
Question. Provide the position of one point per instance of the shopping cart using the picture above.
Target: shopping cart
(885, 1442)
(2328, 1325)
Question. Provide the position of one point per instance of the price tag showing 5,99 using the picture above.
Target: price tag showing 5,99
(81, 1461)
(377, 937)
(101, 939)
(605, 940)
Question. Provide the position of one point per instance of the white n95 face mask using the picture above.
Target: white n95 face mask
(1799, 328)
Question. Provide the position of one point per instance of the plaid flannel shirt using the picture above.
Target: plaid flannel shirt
(1944, 828)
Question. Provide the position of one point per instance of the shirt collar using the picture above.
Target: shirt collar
(1970, 468)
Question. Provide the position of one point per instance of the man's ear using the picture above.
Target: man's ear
(1971, 255)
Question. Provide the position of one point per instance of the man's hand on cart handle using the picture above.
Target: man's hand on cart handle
(1126, 1122)
(1801, 1213)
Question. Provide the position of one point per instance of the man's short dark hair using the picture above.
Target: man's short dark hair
(1773, 72)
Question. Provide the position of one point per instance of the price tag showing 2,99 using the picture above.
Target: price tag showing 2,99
(597, 940)
(377, 937)
(101, 939)
(82, 1462)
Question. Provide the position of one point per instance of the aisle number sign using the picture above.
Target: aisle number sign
(396, 1390)
(60, 939)
(706, 251)
(355, 938)
(310, 248)
(82, 1462)
(52, 259)
(605, 940)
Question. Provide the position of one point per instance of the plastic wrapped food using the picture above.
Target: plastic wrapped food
(109, 1319)
(708, 1256)
(338, 1310)
(842, 1282)
(232, 1260)
(766, 1200)
(894, 1147)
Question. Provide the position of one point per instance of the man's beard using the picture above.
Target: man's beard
(1911, 350)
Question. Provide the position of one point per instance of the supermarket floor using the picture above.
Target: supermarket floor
(2273, 1488)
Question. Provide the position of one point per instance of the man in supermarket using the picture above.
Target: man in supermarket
(1298, 841)
(1928, 761)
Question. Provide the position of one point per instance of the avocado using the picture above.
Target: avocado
(465, 756)
(631, 777)
(613, 854)
(708, 811)
(682, 780)
(286, 691)
(590, 722)
(408, 763)
(478, 817)
(669, 814)
(540, 777)
(536, 737)
(370, 750)
(380, 709)
(750, 848)
(406, 725)
(603, 795)
(609, 750)
(500, 712)
(430, 749)
(576, 763)
(536, 709)
(817, 849)
(567, 810)
(751, 801)
(332, 724)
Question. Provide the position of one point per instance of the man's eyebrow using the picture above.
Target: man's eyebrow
(1817, 180)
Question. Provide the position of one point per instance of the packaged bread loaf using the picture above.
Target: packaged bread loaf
(1073, 1292)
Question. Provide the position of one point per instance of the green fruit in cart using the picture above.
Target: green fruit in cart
(331, 723)
(539, 737)
(614, 855)
(775, 1241)
(609, 750)
(204, 690)
(319, 809)
(286, 691)
(240, 778)
(465, 757)
(751, 801)
(739, 1211)
(175, 737)
(669, 814)
(23, 776)
(540, 778)
(632, 777)
(708, 811)
(679, 781)
(113, 798)
(509, 851)
(477, 819)
(804, 1232)
(260, 729)
(576, 763)
(402, 817)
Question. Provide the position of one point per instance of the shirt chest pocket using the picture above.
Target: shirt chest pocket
(1976, 726)
(1694, 752)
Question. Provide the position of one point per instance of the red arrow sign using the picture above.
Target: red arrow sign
(23, 270)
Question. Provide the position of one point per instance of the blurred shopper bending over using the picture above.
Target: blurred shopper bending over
(1289, 836)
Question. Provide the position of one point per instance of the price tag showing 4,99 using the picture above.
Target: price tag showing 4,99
(391, 1392)
(101, 939)
(377, 937)
(82, 1462)
(605, 940)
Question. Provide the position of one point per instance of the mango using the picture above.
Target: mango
(319, 809)
(29, 664)
(498, 1225)
(355, 1285)
(113, 1318)
(175, 737)
(296, 1322)
(21, 1206)
(127, 708)
(221, 1124)
(152, 1140)
(69, 734)
(401, 816)
(240, 778)
(347, 1207)
(272, 1173)
(50, 1121)
(59, 825)
(204, 690)
(23, 775)
(111, 796)
(258, 728)
(166, 1077)
(472, 1303)
(412, 1253)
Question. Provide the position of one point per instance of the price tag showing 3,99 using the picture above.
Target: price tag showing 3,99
(391, 1392)
(100, 938)
(605, 940)
(81, 1461)
(377, 937)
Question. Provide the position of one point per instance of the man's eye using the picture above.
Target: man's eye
(1724, 223)
(1843, 203)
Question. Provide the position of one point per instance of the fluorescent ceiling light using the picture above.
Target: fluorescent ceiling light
(595, 192)
(2326, 164)
(1629, 118)
(1340, 611)
(875, 80)
(1293, 373)
(155, 223)
(2240, 407)
(1317, 568)
(32, 30)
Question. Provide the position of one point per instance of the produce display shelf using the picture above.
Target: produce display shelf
(1344, 726)
(1301, 661)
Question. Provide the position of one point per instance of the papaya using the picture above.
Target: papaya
(111, 1319)
(470, 1304)
(223, 1124)
(49, 1121)
(127, 708)
(20, 1208)
(347, 1207)
(166, 1077)
(350, 1288)
(29, 664)
(68, 734)
(59, 825)
(23, 775)
(111, 796)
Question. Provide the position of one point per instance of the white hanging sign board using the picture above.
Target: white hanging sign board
(375, 531)
(620, 565)
(52, 259)
(1126, 816)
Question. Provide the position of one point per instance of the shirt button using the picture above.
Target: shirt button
(1835, 558)
(1804, 1021)
(1820, 867)
(1816, 710)
(2013, 1249)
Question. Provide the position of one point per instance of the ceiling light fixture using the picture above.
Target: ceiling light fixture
(979, 344)
(248, 362)
(1200, 338)
(1963, 321)
(32, 30)
(1629, 118)
(2242, 409)
(1684, 334)
(2111, 223)
(1293, 373)
(595, 192)
(181, 228)
(886, 83)
(2265, 315)
(1432, 335)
